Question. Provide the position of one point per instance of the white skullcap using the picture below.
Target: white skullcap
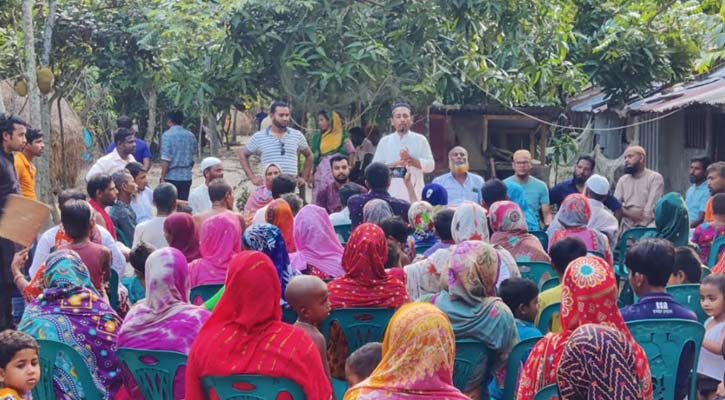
(598, 184)
(209, 162)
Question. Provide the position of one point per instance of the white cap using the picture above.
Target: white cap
(209, 162)
(598, 185)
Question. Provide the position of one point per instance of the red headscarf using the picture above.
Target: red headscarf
(245, 334)
(183, 235)
(365, 283)
(588, 296)
(280, 215)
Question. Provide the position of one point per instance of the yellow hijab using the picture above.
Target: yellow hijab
(332, 138)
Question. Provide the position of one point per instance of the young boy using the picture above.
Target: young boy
(307, 295)
(688, 267)
(522, 297)
(136, 284)
(362, 362)
(19, 366)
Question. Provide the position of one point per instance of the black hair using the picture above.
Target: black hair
(295, 202)
(121, 177)
(688, 261)
(33, 134)
(348, 190)
(517, 291)
(588, 158)
(138, 256)
(121, 135)
(377, 175)
(338, 158)
(363, 361)
(396, 228)
(442, 221)
(124, 121)
(69, 194)
(8, 122)
(494, 190)
(76, 219)
(135, 168)
(717, 280)
(277, 104)
(401, 104)
(653, 258)
(164, 197)
(218, 189)
(356, 135)
(704, 161)
(176, 117)
(565, 251)
(718, 203)
(97, 182)
(11, 342)
(324, 114)
(393, 256)
(282, 184)
(184, 208)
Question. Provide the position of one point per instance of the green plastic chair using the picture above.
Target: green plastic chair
(289, 315)
(202, 293)
(626, 295)
(550, 283)
(518, 356)
(419, 250)
(543, 238)
(688, 295)
(705, 272)
(49, 351)
(113, 299)
(664, 340)
(359, 325)
(547, 392)
(339, 387)
(343, 232)
(251, 387)
(717, 244)
(630, 234)
(153, 370)
(547, 315)
(536, 271)
(469, 354)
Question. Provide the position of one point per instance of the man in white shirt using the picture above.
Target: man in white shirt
(152, 231)
(212, 168)
(404, 150)
(116, 160)
(460, 184)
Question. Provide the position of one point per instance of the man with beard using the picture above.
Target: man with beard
(697, 194)
(116, 160)
(404, 151)
(211, 169)
(329, 197)
(280, 145)
(460, 184)
(716, 184)
(638, 190)
(535, 190)
(583, 169)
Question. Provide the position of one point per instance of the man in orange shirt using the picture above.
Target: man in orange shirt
(24, 162)
(716, 184)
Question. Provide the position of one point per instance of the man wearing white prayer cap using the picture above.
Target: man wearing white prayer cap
(212, 168)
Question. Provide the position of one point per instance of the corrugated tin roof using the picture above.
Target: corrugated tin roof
(707, 91)
(595, 103)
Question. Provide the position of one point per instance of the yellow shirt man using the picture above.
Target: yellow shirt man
(26, 175)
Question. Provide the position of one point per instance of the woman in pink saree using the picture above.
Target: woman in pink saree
(318, 250)
(220, 240)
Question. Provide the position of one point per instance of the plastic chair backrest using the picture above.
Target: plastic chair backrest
(688, 295)
(289, 315)
(596, 253)
(705, 272)
(202, 293)
(715, 250)
(664, 340)
(518, 356)
(49, 350)
(343, 232)
(419, 250)
(153, 370)
(359, 325)
(633, 234)
(547, 315)
(536, 271)
(549, 283)
(543, 238)
(251, 387)
(469, 354)
(113, 299)
(547, 392)
(626, 295)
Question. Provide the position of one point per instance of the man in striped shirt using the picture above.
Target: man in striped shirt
(278, 144)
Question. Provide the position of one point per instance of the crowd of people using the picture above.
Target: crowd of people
(444, 256)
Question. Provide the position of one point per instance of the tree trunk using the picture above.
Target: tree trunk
(213, 134)
(30, 63)
(151, 101)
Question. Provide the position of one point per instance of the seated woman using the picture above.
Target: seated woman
(511, 232)
(418, 353)
(365, 284)
(221, 239)
(261, 196)
(671, 220)
(469, 299)
(318, 250)
(376, 210)
(420, 217)
(574, 216)
(71, 311)
(279, 213)
(166, 320)
(245, 334)
(589, 296)
(180, 233)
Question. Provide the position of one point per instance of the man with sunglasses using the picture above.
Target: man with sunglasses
(278, 144)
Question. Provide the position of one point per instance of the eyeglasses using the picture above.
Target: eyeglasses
(281, 147)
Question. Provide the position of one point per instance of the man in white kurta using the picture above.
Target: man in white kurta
(405, 148)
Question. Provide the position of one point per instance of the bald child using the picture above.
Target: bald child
(307, 295)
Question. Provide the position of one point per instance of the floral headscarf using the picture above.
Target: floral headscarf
(420, 217)
(469, 223)
(268, 239)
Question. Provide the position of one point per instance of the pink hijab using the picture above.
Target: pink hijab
(221, 239)
(316, 241)
(183, 235)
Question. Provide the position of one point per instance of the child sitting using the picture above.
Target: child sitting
(136, 284)
(307, 295)
(362, 362)
(711, 364)
(688, 267)
(522, 297)
(19, 366)
(706, 233)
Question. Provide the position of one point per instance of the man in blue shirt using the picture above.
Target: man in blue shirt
(535, 190)
(583, 169)
(697, 194)
(460, 184)
(177, 154)
(377, 178)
